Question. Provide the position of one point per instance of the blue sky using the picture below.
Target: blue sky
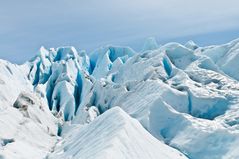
(87, 24)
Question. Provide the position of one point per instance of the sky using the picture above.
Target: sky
(27, 25)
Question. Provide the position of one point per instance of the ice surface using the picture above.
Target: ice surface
(113, 135)
(150, 44)
(162, 102)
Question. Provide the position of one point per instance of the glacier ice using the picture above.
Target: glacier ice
(150, 44)
(169, 101)
(113, 135)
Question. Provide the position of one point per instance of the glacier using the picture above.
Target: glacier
(169, 101)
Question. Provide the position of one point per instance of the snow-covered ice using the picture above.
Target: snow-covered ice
(166, 101)
(113, 135)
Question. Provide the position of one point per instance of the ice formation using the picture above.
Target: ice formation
(172, 101)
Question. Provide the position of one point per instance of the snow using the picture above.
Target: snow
(169, 101)
(113, 134)
(225, 57)
(28, 125)
(200, 139)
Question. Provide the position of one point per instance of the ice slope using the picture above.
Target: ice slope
(186, 96)
(27, 127)
(113, 135)
(195, 137)
(225, 57)
(13, 80)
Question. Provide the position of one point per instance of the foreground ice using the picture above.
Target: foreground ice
(113, 135)
(170, 101)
